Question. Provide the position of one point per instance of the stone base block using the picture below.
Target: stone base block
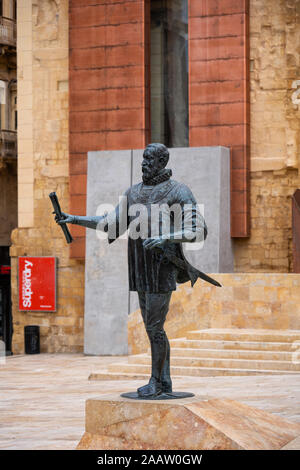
(117, 423)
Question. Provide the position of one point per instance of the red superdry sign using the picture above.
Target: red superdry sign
(37, 283)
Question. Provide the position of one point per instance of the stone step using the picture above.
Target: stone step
(227, 345)
(220, 363)
(236, 334)
(231, 354)
(106, 375)
(191, 371)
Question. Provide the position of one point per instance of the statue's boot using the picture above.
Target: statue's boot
(154, 308)
(166, 381)
(150, 390)
(158, 355)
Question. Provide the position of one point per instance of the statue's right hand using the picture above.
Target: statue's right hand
(67, 219)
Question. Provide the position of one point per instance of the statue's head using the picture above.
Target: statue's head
(155, 158)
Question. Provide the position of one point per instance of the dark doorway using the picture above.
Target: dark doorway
(6, 328)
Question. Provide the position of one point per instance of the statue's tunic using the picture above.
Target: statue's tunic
(149, 270)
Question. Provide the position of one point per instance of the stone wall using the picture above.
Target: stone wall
(43, 165)
(275, 135)
(270, 245)
(252, 300)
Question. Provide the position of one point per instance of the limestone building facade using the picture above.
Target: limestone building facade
(90, 78)
(8, 159)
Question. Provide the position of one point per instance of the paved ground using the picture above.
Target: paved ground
(43, 396)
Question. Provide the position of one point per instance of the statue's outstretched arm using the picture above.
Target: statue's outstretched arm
(115, 223)
(97, 222)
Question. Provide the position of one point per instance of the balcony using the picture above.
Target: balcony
(8, 32)
(8, 144)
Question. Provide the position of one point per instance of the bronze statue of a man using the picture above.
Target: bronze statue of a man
(156, 262)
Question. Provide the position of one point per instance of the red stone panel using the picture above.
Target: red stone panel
(100, 57)
(225, 135)
(219, 92)
(113, 35)
(217, 48)
(209, 114)
(78, 183)
(78, 245)
(78, 164)
(217, 70)
(109, 89)
(126, 12)
(216, 26)
(125, 77)
(240, 157)
(216, 92)
(90, 15)
(218, 7)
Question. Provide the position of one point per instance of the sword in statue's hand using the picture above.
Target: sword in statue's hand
(160, 244)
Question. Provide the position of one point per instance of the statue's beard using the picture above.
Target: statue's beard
(149, 173)
(156, 177)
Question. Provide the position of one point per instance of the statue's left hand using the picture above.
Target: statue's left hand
(151, 243)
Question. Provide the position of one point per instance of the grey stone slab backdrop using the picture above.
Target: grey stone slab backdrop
(106, 273)
(206, 170)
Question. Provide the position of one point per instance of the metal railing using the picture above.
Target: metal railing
(8, 31)
(8, 144)
(296, 230)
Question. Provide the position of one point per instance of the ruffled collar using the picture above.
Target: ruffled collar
(163, 175)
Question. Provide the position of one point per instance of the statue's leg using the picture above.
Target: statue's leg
(154, 308)
(166, 381)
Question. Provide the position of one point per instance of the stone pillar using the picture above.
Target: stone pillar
(106, 279)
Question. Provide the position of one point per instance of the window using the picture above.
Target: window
(169, 72)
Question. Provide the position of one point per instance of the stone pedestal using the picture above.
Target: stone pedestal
(116, 423)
